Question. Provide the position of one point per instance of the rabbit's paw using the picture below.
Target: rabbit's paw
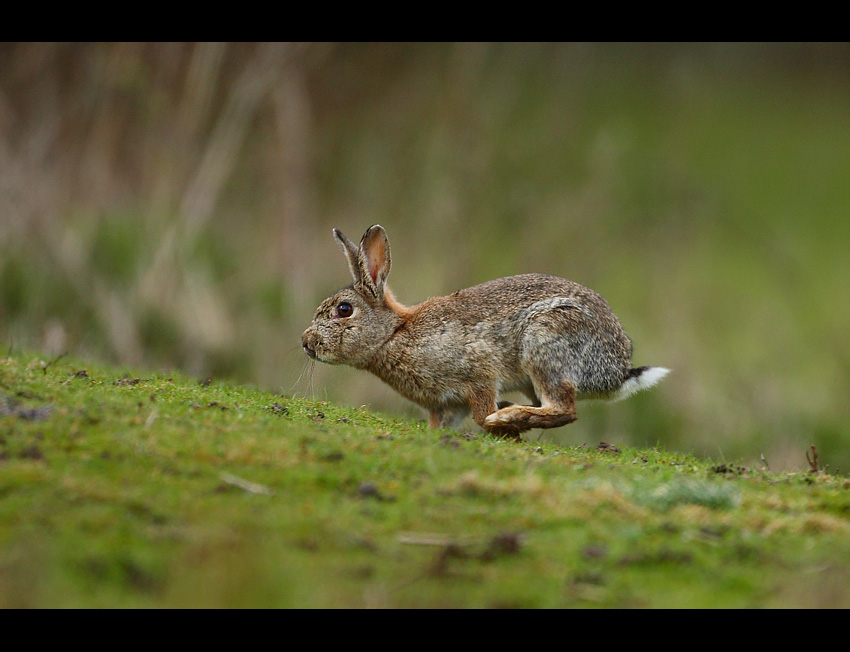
(526, 417)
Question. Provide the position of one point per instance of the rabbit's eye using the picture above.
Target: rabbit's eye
(344, 309)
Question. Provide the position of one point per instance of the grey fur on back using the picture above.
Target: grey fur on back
(516, 315)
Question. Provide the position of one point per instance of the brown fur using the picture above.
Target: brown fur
(552, 339)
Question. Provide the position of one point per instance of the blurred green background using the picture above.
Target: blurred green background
(170, 205)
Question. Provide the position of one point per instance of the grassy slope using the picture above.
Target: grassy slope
(128, 489)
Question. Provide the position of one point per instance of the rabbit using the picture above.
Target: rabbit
(551, 339)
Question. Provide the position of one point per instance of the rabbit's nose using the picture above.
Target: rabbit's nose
(307, 344)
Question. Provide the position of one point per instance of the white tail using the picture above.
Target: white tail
(640, 378)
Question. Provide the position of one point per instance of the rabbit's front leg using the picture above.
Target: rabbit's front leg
(447, 417)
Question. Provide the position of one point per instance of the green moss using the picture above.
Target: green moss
(128, 488)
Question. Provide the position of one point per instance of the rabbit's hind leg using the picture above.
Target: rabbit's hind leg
(482, 402)
(545, 353)
(545, 356)
(558, 409)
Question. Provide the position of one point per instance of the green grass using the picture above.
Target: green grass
(128, 488)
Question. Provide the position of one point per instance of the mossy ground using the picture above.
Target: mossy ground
(126, 488)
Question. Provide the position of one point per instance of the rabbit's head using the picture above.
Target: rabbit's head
(352, 325)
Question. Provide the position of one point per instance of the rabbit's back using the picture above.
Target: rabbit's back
(502, 326)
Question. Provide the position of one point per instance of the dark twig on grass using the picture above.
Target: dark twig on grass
(45, 365)
(813, 460)
(502, 543)
(450, 547)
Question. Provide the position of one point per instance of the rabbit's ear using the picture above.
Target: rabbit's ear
(352, 254)
(374, 259)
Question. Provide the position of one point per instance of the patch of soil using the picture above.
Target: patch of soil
(9, 407)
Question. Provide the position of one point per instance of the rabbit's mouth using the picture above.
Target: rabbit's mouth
(315, 347)
(308, 343)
